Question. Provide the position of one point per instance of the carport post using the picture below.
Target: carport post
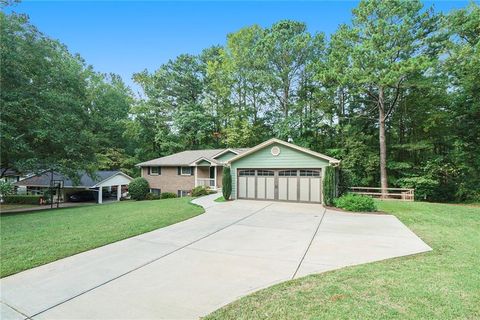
(100, 200)
(119, 192)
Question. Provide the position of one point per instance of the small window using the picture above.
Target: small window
(287, 173)
(186, 171)
(265, 173)
(182, 193)
(309, 173)
(155, 171)
(156, 191)
(243, 173)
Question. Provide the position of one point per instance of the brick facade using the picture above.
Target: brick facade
(170, 181)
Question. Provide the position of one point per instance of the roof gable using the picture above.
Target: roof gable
(286, 144)
(226, 155)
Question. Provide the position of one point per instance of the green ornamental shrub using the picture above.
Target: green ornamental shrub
(152, 196)
(227, 183)
(6, 188)
(168, 195)
(329, 186)
(344, 181)
(22, 199)
(138, 188)
(355, 202)
(200, 191)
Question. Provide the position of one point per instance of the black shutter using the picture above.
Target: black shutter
(149, 171)
(159, 171)
(191, 171)
(179, 170)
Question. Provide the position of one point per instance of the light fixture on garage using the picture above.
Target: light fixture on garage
(275, 151)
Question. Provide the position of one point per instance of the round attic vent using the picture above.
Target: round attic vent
(275, 151)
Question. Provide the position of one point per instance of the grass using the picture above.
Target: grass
(35, 238)
(441, 284)
(5, 207)
(220, 199)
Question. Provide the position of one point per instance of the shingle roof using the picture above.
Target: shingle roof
(185, 158)
(43, 179)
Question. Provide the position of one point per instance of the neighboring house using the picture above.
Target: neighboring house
(115, 182)
(273, 170)
(181, 172)
(10, 175)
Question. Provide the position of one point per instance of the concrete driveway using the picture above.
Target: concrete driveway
(189, 269)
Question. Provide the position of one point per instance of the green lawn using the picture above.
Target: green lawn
(220, 199)
(35, 238)
(441, 284)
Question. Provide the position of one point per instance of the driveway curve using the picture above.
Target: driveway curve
(190, 269)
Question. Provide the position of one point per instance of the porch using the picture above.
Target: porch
(208, 176)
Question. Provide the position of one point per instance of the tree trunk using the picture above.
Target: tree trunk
(383, 143)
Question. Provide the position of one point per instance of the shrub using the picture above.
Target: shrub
(344, 181)
(168, 195)
(355, 202)
(227, 183)
(329, 186)
(138, 188)
(6, 188)
(200, 191)
(152, 196)
(22, 199)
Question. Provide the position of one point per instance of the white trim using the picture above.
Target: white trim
(215, 177)
(113, 175)
(212, 163)
(224, 151)
(287, 144)
(196, 176)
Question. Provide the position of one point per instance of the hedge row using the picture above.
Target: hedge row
(22, 199)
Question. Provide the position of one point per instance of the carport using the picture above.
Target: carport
(95, 182)
(118, 181)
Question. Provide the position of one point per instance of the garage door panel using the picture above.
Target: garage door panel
(242, 187)
(282, 189)
(261, 188)
(304, 189)
(315, 189)
(251, 187)
(292, 189)
(270, 188)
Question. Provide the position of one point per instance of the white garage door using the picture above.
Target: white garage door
(301, 185)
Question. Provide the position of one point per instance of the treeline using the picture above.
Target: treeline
(56, 111)
(395, 94)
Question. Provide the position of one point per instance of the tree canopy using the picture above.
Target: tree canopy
(395, 94)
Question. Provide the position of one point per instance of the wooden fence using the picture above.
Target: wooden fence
(391, 193)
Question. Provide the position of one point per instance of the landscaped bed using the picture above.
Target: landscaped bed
(35, 238)
(441, 284)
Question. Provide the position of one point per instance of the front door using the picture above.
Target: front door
(212, 172)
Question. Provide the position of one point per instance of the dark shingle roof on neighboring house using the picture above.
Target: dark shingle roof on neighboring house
(185, 158)
(43, 179)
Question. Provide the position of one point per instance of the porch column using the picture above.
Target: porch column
(100, 195)
(196, 176)
(119, 192)
(215, 178)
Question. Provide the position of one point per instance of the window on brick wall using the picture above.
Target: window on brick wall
(154, 171)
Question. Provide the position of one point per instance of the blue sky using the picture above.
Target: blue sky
(127, 37)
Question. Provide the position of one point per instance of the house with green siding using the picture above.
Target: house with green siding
(274, 170)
